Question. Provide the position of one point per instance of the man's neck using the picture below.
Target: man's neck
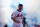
(19, 10)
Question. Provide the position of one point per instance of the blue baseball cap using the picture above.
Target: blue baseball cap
(20, 5)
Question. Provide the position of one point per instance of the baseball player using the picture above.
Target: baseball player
(17, 17)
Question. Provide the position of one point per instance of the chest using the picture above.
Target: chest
(19, 14)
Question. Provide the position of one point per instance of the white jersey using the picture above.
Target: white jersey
(20, 18)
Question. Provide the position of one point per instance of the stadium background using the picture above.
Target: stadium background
(31, 9)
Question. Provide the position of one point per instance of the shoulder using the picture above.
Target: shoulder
(22, 13)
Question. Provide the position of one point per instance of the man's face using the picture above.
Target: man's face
(20, 7)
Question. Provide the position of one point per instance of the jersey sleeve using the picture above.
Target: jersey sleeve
(13, 14)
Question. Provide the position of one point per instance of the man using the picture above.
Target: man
(17, 17)
(6, 25)
(24, 22)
